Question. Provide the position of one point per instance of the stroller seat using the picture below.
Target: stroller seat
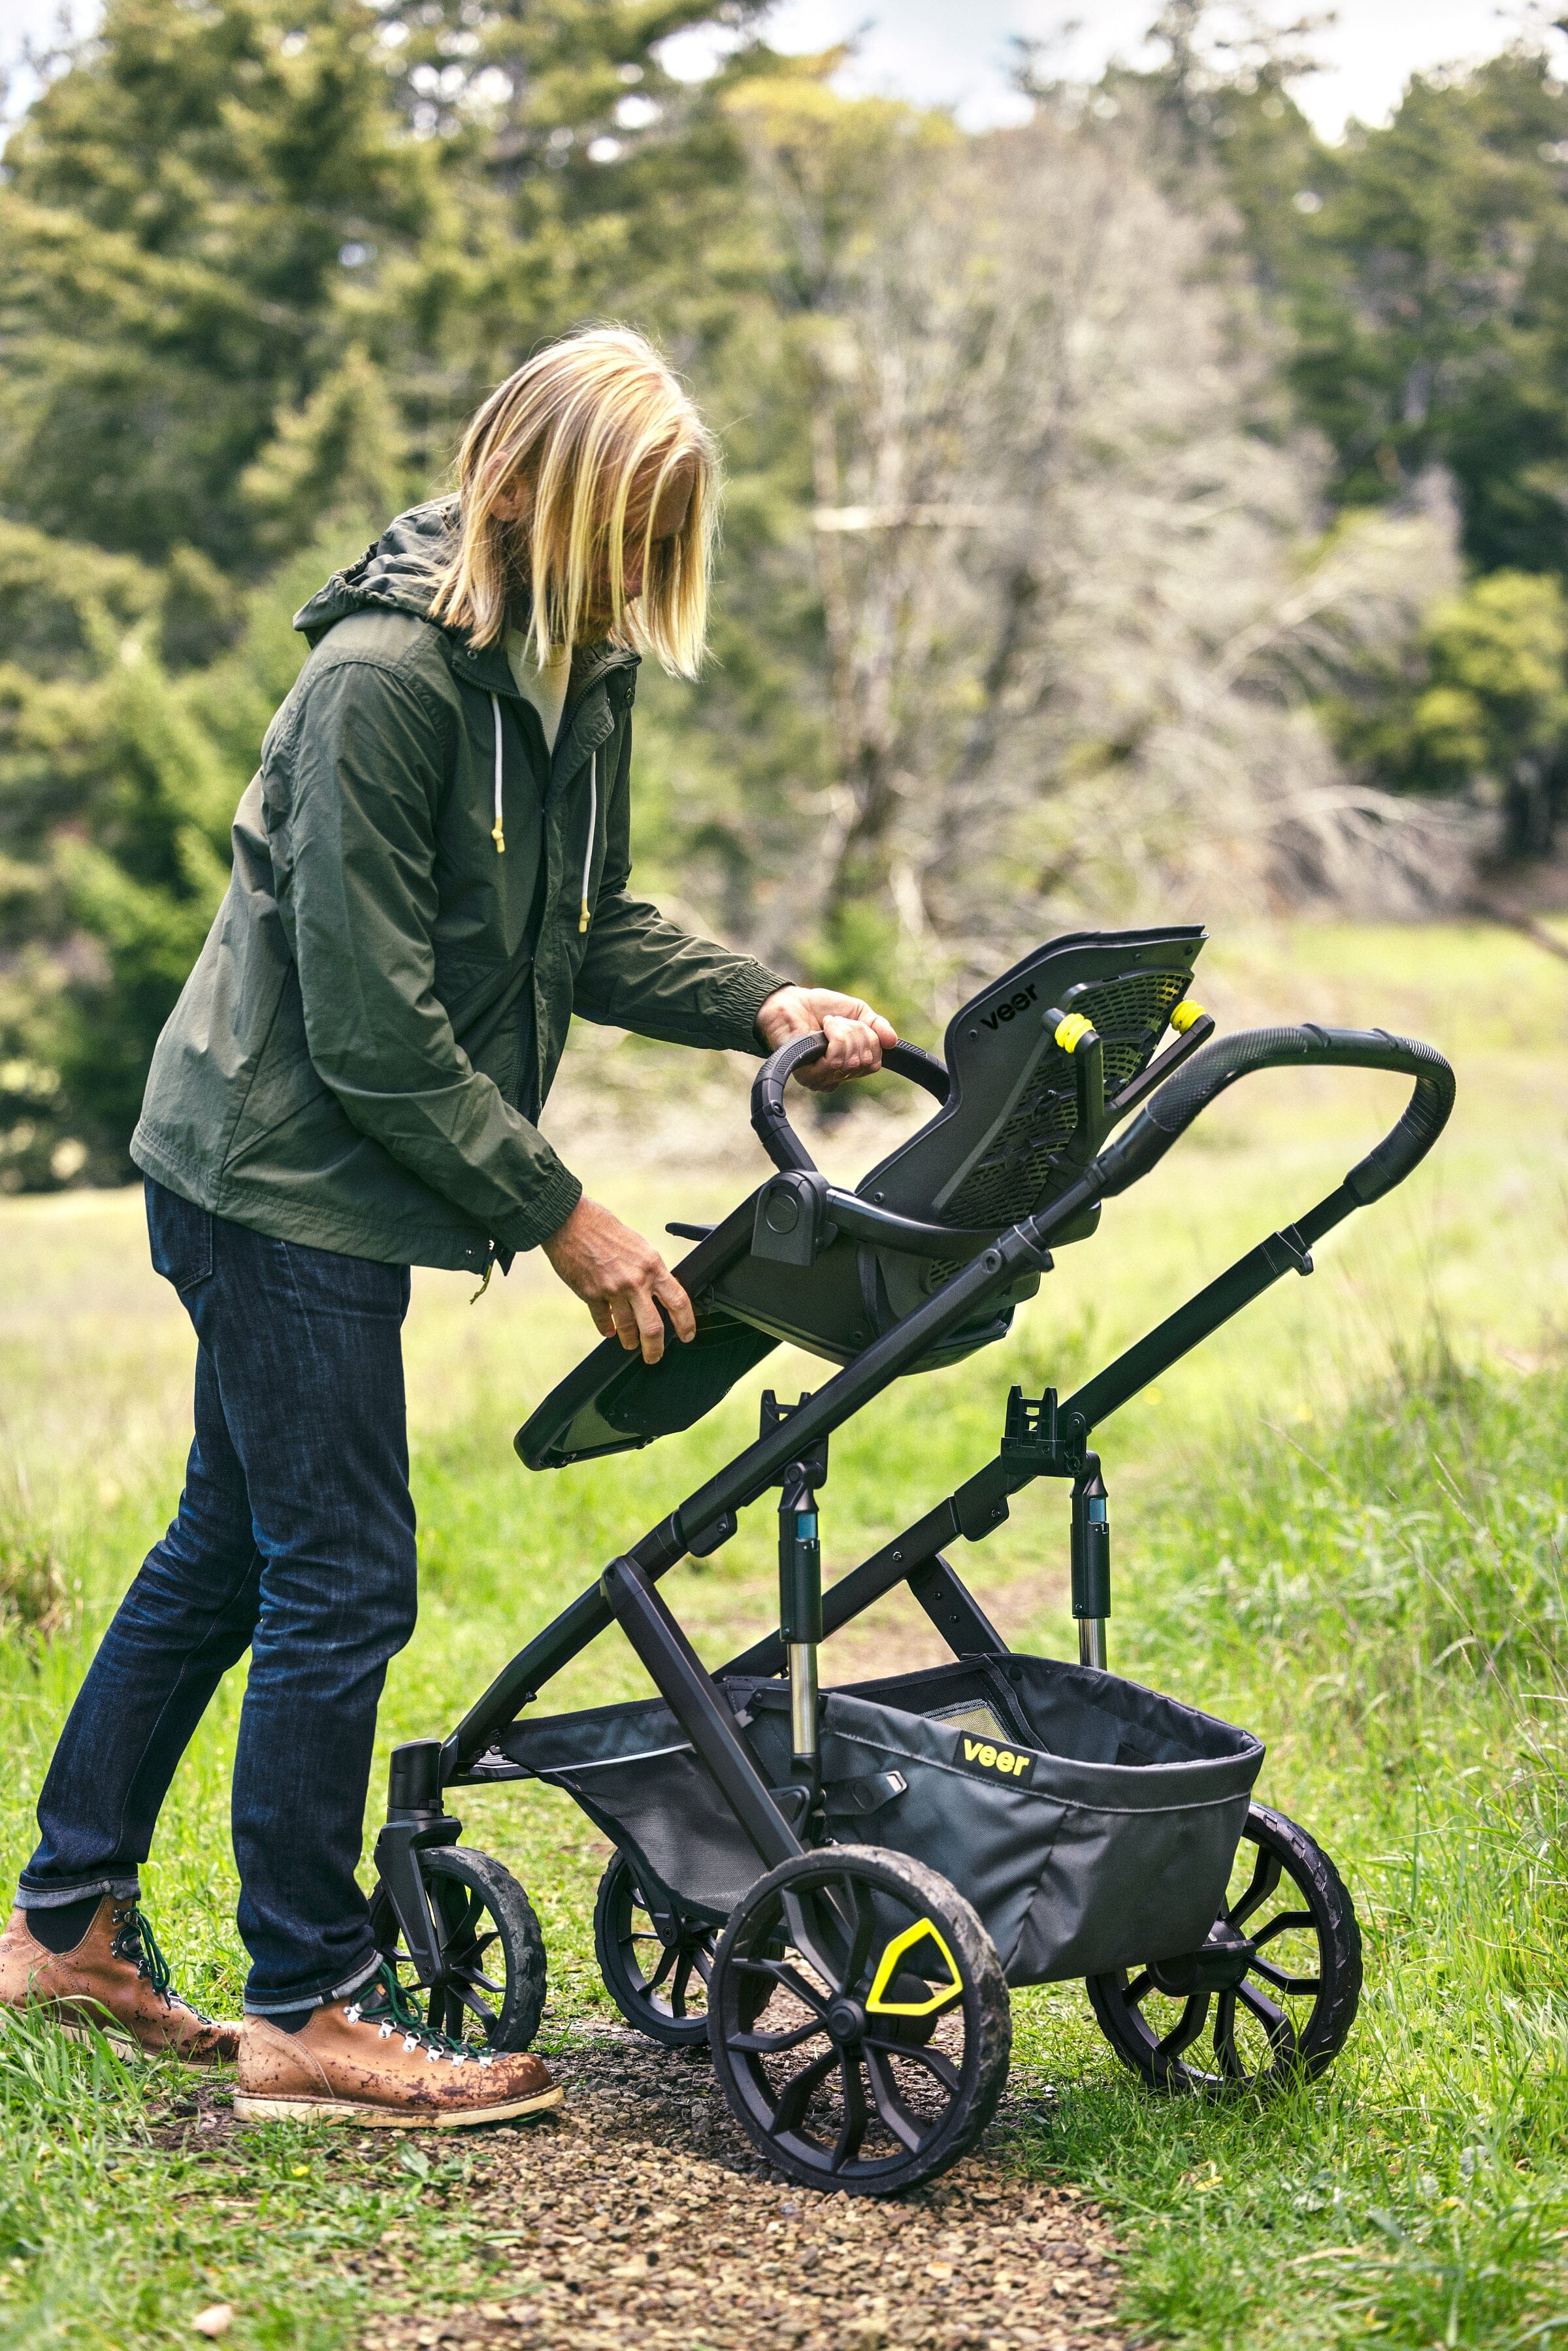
(1009, 1135)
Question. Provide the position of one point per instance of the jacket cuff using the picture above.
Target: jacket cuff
(742, 1000)
(547, 1210)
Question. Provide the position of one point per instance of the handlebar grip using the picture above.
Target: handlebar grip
(769, 1122)
(1188, 1093)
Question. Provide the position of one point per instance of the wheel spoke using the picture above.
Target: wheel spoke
(1186, 2028)
(862, 1910)
(791, 1980)
(1225, 2048)
(768, 2044)
(479, 1982)
(920, 2054)
(1138, 1988)
(1281, 1981)
(667, 1964)
(1282, 2032)
(1277, 1925)
(807, 1941)
(889, 2104)
(458, 1929)
(797, 2093)
(678, 1988)
(1265, 1877)
(856, 2114)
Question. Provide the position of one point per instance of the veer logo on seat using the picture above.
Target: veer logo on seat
(1003, 1762)
(1013, 1006)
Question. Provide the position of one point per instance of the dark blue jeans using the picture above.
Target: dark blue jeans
(294, 1539)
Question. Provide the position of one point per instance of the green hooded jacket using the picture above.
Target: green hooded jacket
(372, 1027)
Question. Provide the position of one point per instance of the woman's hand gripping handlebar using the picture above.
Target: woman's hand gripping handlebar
(769, 1121)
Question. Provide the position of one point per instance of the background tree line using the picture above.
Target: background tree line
(1145, 504)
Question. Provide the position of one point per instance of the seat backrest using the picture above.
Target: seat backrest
(1000, 1146)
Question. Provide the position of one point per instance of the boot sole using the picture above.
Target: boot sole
(248, 2110)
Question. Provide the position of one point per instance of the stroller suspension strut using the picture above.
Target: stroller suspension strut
(1091, 1562)
(800, 1603)
(800, 1612)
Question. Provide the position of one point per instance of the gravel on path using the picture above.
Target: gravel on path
(639, 2216)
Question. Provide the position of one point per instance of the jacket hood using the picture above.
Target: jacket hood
(396, 573)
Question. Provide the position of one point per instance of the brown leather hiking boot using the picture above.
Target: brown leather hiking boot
(116, 1979)
(370, 2060)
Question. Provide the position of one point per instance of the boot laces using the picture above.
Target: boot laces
(133, 1939)
(387, 2005)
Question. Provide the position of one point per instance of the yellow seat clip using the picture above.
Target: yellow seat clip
(1071, 1031)
(1184, 1014)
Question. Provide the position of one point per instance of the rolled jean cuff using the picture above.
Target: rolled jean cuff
(55, 1897)
(344, 1990)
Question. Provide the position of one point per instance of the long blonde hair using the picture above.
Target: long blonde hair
(584, 423)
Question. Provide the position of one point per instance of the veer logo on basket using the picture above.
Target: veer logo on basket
(995, 1762)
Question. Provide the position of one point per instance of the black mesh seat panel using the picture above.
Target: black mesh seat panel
(1000, 1149)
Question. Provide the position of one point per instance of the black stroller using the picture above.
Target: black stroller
(834, 1888)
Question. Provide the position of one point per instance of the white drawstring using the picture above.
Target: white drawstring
(593, 829)
(497, 834)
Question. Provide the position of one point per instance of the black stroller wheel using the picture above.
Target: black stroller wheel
(491, 1988)
(1289, 2016)
(859, 2020)
(655, 1965)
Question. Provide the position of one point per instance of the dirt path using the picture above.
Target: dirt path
(639, 2216)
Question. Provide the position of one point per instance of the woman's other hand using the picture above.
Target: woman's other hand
(857, 1037)
(620, 1279)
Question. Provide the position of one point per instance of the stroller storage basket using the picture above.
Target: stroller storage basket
(1092, 1823)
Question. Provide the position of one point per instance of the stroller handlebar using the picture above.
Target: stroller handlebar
(1188, 1093)
(769, 1121)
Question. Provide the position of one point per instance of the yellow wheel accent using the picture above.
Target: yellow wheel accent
(1185, 1013)
(874, 2004)
(1070, 1033)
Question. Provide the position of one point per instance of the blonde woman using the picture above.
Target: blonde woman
(430, 877)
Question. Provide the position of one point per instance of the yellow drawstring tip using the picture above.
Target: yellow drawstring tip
(485, 1285)
(583, 919)
(1186, 1015)
(499, 837)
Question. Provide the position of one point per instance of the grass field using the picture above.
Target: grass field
(1340, 1525)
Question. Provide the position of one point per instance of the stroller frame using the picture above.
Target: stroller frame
(781, 1816)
